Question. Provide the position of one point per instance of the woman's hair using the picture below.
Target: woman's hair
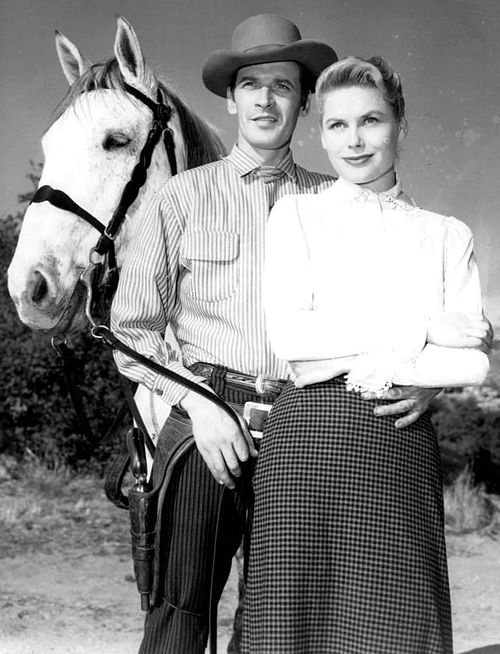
(372, 73)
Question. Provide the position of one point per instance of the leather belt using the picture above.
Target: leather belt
(260, 384)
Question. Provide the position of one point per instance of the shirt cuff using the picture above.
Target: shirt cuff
(170, 391)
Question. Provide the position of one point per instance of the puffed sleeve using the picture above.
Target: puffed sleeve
(448, 366)
(462, 289)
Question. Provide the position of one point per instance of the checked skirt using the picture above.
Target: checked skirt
(348, 553)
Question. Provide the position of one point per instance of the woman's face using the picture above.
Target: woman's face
(360, 136)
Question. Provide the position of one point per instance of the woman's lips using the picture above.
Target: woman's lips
(358, 161)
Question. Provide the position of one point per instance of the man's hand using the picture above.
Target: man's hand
(411, 400)
(220, 441)
(451, 329)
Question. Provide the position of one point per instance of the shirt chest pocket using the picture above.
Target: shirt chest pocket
(212, 263)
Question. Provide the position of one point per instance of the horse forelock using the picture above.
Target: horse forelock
(101, 75)
(201, 143)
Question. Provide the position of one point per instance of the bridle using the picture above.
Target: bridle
(162, 114)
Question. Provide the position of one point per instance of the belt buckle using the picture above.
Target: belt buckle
(260, 384)
(255, 415)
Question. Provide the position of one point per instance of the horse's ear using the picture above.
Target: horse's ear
(129, 56)
(72, 62)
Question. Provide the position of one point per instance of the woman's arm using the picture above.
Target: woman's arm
(460, 337)
(297, 327)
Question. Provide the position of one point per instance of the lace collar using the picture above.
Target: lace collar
(394, 198)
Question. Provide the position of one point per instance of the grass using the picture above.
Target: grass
(467, 507)
(49, 507)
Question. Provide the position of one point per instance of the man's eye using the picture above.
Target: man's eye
(283, 87)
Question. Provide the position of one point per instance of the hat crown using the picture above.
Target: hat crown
(264, 30)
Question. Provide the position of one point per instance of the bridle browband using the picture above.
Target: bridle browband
(162, 113)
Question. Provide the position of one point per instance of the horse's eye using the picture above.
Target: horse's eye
(115, 141)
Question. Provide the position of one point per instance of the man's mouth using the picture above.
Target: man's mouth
(265, 118)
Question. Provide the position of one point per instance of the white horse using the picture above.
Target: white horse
(90, 151)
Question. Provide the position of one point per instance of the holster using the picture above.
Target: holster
(145, 508)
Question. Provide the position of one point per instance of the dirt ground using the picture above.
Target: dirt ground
(76, 593)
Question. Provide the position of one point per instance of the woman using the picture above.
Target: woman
(363, 290)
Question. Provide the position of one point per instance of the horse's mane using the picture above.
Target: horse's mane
(202, 143)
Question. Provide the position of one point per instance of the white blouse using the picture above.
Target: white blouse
(353, 272)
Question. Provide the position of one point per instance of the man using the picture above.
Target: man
(197, 267)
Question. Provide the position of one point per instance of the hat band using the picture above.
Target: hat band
(257, 49)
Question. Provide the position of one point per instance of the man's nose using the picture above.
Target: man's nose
(265, 97)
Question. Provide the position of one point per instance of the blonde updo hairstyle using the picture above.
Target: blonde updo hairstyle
(372, 73)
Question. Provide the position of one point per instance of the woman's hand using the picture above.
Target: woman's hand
(313, 372)
(450, 329)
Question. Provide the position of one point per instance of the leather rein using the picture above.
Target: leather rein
(105, 249)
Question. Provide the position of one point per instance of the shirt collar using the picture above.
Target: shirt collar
(244, 164)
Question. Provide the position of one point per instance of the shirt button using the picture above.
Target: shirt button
(158, 391)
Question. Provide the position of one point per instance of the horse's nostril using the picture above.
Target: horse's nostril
(39, 288)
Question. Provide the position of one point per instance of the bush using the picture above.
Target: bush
(467, 508)
(468, 426)
(36, 413)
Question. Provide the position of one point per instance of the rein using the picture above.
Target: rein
(162, 114)
(105, 249)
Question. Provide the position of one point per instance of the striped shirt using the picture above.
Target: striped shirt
(196, 265)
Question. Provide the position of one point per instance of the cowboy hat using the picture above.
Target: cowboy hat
(263, 39)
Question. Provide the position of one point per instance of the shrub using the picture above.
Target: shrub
(36, 412)
(467, 508)
(468, 426)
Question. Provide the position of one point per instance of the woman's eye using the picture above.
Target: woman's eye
(115, 141)
(371, 120)
(337, 125)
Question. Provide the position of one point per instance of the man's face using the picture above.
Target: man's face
(266, 99)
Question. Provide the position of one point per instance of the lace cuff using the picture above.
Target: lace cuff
(373, 372)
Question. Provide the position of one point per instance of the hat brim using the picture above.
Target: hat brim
(219, 69)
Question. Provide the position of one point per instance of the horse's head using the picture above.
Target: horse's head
(90, 151)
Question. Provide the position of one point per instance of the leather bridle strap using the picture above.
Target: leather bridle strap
(61, 200)
(162, 114)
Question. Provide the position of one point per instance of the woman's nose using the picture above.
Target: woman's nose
(355, 139)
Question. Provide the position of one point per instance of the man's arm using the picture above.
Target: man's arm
(145, 299)
(144, 302)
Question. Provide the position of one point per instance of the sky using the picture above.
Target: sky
(447, 51)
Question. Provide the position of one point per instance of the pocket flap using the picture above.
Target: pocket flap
(210, 245)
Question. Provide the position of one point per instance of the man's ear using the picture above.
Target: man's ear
(231, 104)
(304, 110)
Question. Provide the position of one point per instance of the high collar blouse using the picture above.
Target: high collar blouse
(350, 271)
